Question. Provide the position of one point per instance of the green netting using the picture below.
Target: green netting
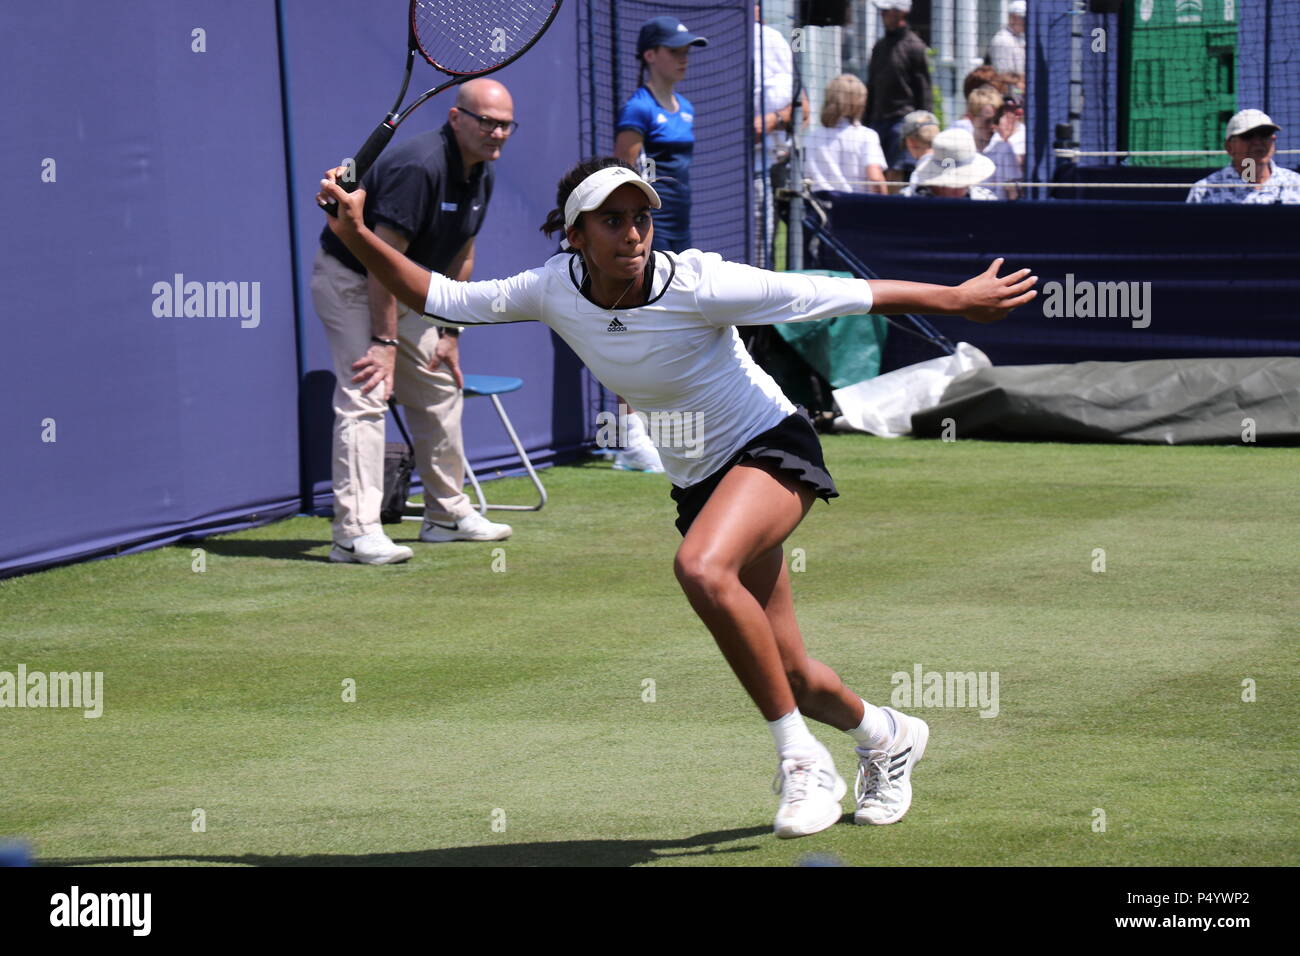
(1181, 61)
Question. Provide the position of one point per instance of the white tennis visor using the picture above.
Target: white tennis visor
(595, 189)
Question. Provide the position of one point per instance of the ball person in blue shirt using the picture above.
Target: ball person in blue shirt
(658, 125)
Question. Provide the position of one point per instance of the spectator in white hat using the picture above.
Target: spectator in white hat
(1007, 48)
(953, 170)
(1251, 140)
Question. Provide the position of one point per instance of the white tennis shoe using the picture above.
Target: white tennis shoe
(373, 548)
(811, 792)
(472, 527)
(884, 785)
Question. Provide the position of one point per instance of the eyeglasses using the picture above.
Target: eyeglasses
(488, 125)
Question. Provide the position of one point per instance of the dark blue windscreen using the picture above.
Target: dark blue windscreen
(1203, 297)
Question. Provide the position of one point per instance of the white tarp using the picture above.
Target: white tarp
(884, 405)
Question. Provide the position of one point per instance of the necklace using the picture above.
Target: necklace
(584, 286)
(620, 298)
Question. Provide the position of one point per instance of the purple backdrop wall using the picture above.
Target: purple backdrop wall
(147, 160)
(171, 152)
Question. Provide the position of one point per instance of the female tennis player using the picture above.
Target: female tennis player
(659, 328)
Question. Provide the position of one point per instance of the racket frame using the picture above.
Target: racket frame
(379, 138)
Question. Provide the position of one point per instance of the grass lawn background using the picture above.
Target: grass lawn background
(521, 691)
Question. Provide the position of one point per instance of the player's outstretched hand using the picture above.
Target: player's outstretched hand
(351, 205)
(988, 297)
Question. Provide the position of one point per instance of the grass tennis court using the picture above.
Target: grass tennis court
(522, 691)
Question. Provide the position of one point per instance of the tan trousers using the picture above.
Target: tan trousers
(431, 405)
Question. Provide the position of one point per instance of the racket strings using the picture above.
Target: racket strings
(464, 37)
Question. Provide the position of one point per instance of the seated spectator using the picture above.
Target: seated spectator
(983, 107)
(1251, 140)
(840, 153)
(953, 170)
(998, 134)
(1007, 147)
(918, 132)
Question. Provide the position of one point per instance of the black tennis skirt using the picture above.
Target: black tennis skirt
(792, 444)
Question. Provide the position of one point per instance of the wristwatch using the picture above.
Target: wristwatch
(390, 342)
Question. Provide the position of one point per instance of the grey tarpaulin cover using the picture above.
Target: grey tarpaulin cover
(1161, 401)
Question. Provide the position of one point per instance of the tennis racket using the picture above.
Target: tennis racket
(463, 39)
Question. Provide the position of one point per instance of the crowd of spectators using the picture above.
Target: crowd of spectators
(883, 146)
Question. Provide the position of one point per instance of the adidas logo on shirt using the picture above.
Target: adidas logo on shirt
(616, 326)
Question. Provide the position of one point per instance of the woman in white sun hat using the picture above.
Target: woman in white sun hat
(953, 170)
(659, 328)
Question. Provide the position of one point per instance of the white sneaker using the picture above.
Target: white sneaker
(373, 548)
(884, 785)
(810, 791)
(639, 456)
(472, 527)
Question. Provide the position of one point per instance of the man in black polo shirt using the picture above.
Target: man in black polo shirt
(426, 197)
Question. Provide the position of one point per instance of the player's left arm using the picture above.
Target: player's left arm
(734, 294)
(986, 297)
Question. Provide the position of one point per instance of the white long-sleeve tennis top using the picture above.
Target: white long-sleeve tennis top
(678, 358)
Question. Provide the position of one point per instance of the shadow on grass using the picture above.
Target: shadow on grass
(276, 549)
(562, 853)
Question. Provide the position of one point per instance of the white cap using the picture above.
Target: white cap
(1016, 8)
(595, 189)
(904, 5)
(954, 162)
(1247, 120)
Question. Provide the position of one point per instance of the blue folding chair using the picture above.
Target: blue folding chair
(493, 386)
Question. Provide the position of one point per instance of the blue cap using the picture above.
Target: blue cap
(666, 31)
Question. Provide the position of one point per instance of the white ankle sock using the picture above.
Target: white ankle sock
(877, 730)
(793, 738)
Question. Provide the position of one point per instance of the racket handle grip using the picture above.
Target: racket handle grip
(362, 162)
